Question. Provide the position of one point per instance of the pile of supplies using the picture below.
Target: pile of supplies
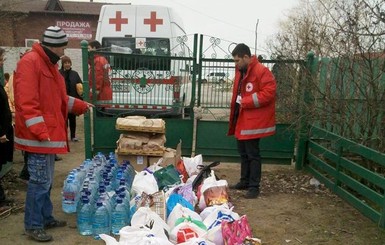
(181, 203)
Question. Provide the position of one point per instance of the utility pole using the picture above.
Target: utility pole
(256, 37)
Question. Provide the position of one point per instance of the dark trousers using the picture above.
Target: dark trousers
(251, 166)
(72, 124)
(2, 193)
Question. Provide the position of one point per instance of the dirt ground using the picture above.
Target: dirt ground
(288, 211)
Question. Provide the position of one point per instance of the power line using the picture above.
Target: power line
(211, 17)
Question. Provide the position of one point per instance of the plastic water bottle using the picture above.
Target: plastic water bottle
(100, 221)
(129, 174)
(118, 217)
(84, 218)
(70, 195)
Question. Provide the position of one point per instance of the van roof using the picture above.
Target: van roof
(119, 20)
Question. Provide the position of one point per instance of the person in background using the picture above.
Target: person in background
(74, 86)
(6, 134)
(42, 106)
(101, 69)
(252, 115)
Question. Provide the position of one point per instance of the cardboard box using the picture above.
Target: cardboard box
(170, 156)
(137, 161)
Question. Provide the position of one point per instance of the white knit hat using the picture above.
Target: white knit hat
(54, 36)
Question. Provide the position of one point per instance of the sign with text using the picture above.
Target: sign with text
(76, 29)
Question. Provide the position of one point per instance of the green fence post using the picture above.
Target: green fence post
(86, 96)
(303, 130)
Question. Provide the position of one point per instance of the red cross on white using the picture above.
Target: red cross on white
(153, 21)
(118, 21)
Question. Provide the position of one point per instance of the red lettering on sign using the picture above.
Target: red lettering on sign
(118, 21)
(153, 21)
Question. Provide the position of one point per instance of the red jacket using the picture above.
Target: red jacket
(42, 105)
(257, 111)
(103, 85)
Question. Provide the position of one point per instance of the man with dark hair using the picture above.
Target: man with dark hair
(252, 115)
(101, 69)
(42, 105)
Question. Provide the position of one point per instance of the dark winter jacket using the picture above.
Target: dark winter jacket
(6, 128)
(71, 78)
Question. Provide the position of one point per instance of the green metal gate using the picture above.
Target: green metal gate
(198, 114)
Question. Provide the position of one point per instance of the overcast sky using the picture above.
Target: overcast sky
(230, 20)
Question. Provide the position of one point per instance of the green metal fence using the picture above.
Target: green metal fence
(350, 170)
(341, 133)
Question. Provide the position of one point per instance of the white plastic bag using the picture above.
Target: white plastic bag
(191, 164)
(213, 192)
(197, 241)
(144, 181)
(144, 216)
(135, 235)
(180, 211)
(213, 220)
(187, 230)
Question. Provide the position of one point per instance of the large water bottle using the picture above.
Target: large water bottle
(84, 218)
(126, 202)
(118, 216)
(69, 197)
(129, 174)
(100, 221)
(118, 176)
(93, 186)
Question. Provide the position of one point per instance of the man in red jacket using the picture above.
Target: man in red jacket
(42, 105)
(100, 75)
(252, 115)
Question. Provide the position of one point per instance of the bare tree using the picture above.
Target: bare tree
(347, 90)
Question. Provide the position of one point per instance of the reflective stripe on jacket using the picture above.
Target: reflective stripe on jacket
(257, 112)
(42, 105)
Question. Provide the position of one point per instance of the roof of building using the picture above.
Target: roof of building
(52, 6)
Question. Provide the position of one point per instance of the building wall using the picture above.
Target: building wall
(12, 55)
(33, 26)
(17, 27)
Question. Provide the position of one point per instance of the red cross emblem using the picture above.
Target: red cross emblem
(118, 21)
(153, 21)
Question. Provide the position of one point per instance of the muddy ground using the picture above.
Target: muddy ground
(288, 211)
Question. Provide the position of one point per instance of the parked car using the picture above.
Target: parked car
(216, 77)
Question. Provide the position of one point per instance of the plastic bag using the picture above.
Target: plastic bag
(191, 164)
(135, 235)
(156, 202)
(212, 192)
(214, 219)
(167, 176)
(186, 230)
(218, 214)
(175, 199)
(178, 212)
(144, 181)
(197, 241)
(235, 233)
(182, 170)
(144, 216)
(187, 192)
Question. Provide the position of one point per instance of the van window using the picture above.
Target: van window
(153, 47)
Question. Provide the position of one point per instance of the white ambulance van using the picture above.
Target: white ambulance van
(140, 82)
